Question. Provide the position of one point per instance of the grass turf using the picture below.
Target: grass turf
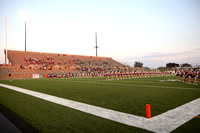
(48, 117)
(129, 96)
(191, 126)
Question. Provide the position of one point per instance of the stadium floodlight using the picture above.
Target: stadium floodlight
(6, 40)
(25, 16)
(96, 43)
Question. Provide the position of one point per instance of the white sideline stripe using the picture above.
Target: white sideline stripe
(163, 123)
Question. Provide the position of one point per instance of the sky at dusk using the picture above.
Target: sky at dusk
(154, 32)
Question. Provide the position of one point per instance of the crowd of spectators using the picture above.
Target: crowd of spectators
(49, 63)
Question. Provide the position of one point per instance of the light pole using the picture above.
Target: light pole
(6, 40)
(25, 36)
(25, 16)
(96, 43)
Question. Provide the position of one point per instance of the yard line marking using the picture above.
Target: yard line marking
(174, 118)
(149, 86)
(165, 122)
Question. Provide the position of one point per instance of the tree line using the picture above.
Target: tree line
(168, 65)
(172, 65)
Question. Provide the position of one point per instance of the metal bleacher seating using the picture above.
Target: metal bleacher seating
(28, 63)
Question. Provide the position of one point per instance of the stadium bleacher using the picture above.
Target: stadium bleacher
(23, 64)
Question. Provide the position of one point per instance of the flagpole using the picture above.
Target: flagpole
(6, 39)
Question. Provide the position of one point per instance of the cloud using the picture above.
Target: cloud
(181, 56)
(154, 60)
(156, 55)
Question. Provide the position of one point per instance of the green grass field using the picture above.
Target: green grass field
(128, 96)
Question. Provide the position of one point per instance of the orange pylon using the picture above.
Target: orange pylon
(148, 111)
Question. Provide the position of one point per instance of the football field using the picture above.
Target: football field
(125, 96)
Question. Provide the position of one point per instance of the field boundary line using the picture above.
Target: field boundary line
(165, 122)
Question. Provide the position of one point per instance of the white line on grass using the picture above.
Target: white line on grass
(165, 122)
